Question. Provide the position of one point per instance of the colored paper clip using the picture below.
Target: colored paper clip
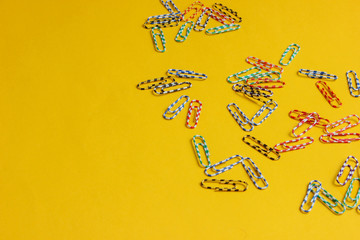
(163, 21)
(287, 148)
(254, 176)
(350, 83)
(180, 37)
(270, 105)
(222, 29)
(237, 118)
(313, 184)
(295, 48)
(263, 64)
(162, 39)
(252, 90)
(312, 119)
(205, 150)
(155, 82)
(186, 74)
(220, 17)
(329, 95)
(317, 74)
(348, 198)
(176, 111)
(224, 169)
(170, 6)
(346, 120)
(351, 170)
(330, 201)
(243, 78)
(195, 119)
(193, 7)
(160, 89)
(301, 115)
(228, 12)
(330, 138)
(233, 183)
(201, 26)
(258, 83)
(262, 148)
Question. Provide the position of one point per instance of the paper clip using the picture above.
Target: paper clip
(348, 197)
(329, 95)
(295, 48)
(287, 148)
(162, 39)
(327, 202)
(234, 183)
(259, 81)
(351, 170)
(331, 137)
(195, 119)
(220, 17)
(155, 82)
(163, 21)
(228, 12)
(162, 88)
(314, 120)
(180, 37)
(243, 78)
(350, 83)
(237, 118)
(222, 29)
(313, 184)
(254, 176)
(205, 149)
(252, 90)
(171, 8)
(176, 111)
(224, 169)
(187, 74)
(262, 148)
(263, 64)
(270, 105)
(317, 74)
(301, 115)
(208, 12)
(345, 120)
(193, 7)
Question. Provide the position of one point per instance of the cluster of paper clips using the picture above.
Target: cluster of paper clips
(212, 170)
(317, 192)
(222, 14)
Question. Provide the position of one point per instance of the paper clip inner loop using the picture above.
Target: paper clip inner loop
(159, 33)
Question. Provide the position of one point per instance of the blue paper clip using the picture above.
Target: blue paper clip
(317, 74)
(198, 22)
(186, 74)
(266, 106)
(254, 176)
(171, 8)
(348, 197)
(224, 169)
(176, 111)
(350, 81)
(313, 184)
(237, 118)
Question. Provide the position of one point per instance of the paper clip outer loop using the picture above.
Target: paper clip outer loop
(234, 183)
(197, 110)
(191, 7)
(262, 109)
(330, 205)
(262, 148)
(162, 38)
(329, 95)
(224, 169)
(351, 170)
(295, 48)
(351, 88)
(222, 29)
(348, 197)
(253, 176)
(156, 82)
(314, 116)
(313, 184)
(179, 36)
(295, 147)
(228, 12)
(177, 110)
(237, 118)
(187, 74)
(263, 64)
(301, 115)
(205, 148)
(173, 84)
(198, 26)
(317, 74)
(342, 121)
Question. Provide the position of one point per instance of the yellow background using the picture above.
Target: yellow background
(86, 155)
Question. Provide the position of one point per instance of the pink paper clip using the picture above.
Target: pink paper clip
(312, 119)
(196, 117)
(287, 148)
(262, 64)
(331, 137)
(351, 170)
(345, 120)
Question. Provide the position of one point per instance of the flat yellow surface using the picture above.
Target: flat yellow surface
(86, 155)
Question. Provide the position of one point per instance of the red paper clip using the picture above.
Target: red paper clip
(314, 117)
(262, 64)
(329, 95)
(331, 137)
(197, 9)
(301, 115)
(287, 148)
(258, 83)
(345, 120)
(197, 110)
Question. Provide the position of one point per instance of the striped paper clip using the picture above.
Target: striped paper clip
(163, 21)
(205, 149)
(252, 90)
(239, 78)
(313, 184)
(263, 64)
(223, 29)
(286, 148)
(223, 169)
(159, 33)
(170, 6)
(254, 176)
(176, 111)
(301, 115)
(233, 183)
(161, 89)
(349, 121)
(180, 37)
(197, 6)
(259, 82)
(329, 95)
(295, 48)
(349, 159)
(312, 117)
(238, 115)
(317, 74)
(330, 201)
(192, 122)
(269, 106)
(220, 17)
(332, 137)
(262, 148)
(228, 12)
(201, 26)
(150, 84)
(186, 74)
(350, 83)
(348, 199)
